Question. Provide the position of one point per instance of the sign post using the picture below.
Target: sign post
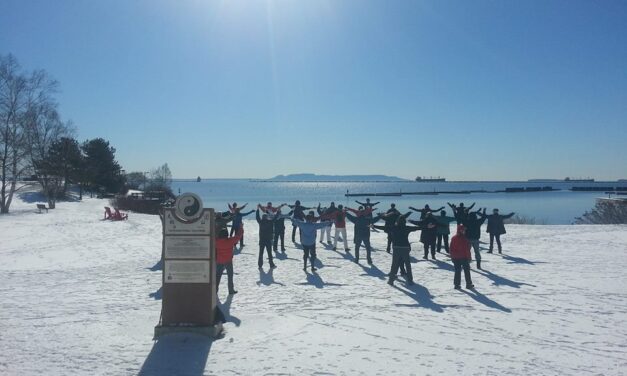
(189, 268)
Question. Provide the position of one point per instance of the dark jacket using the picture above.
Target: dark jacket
(299, 211)
(444, 224)
(495, 223)
(266, 229)
(362, 226)
(237, 218)
(390, 218)
(399, 234)
(429, 227)
(279, 221)
(473, 226)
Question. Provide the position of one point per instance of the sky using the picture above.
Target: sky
(467, 90)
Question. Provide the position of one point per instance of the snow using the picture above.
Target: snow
(81, 296)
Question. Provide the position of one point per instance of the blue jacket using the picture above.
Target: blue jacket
(308, 230)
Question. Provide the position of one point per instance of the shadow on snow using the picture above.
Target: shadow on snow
(520, 260)
(422, 296)
(267, 278)
(497, 280)
(178, 354)
(315, 280)
(225, 307)
(479, 297)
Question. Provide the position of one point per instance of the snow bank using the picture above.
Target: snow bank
(81, 296)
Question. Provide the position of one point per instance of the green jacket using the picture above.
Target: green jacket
(443, 224)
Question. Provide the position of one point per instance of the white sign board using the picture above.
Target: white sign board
(176, 227)
(186, 272)
(187, 247)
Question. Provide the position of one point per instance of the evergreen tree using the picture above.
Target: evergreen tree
(101, 170)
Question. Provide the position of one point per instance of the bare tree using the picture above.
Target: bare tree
(161, 178)
(14, 103)
(29, 124)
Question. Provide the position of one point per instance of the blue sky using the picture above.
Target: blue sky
(499, 90)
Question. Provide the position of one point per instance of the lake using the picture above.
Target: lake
(548, 207)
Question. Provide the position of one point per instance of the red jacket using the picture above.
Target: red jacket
(224, 247)
(340, 219)
(460, 246)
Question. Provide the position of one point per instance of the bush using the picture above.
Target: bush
(605, 212)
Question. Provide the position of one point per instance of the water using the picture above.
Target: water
(551, 207)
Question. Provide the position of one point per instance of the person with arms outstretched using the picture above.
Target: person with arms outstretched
(496, 227)
(238, 217)
(339, 220)
(266, 232)
(428, 235)
(368, 206)
(473, 232)
(400, 249)
(443, 230)
(460, 254)
(425, 211)
(298, 213)
(326, 215)
(279, 229)
(460, 212)
(362, 233)
(308, 233)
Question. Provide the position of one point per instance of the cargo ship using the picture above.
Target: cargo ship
(430, 179)
(587, 180)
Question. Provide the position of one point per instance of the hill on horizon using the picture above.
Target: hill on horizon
(314, 177)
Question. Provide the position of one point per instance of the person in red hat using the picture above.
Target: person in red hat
(460, 254)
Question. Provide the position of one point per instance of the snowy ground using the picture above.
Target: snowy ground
(81, 296)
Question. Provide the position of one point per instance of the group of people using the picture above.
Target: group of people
(434, 234)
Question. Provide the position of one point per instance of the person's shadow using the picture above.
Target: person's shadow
(520, 260)
(479, 297)
(157, 295)
(443, 265)
(226, 310)
(267, 278)
(315, 280)
(422, 296)
(497, 280)
(178, 354)
(156, 267)
(373, 271)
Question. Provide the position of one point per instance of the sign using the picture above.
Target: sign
(187, 247)
(174, 226)
(188, 253)
(186, 272)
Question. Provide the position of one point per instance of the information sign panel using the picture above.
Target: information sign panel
(186, 271)
(187, 247)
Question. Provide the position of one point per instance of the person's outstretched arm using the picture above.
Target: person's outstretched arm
(437, 210)
(258, 216)
(509, 215)
(414, 209)
(351, 217)
(245, 214)
(471, 206)
(417, 223)
(360, 203)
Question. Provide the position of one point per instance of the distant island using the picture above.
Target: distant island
(334, 178)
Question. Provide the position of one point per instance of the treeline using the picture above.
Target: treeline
(36, 144)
